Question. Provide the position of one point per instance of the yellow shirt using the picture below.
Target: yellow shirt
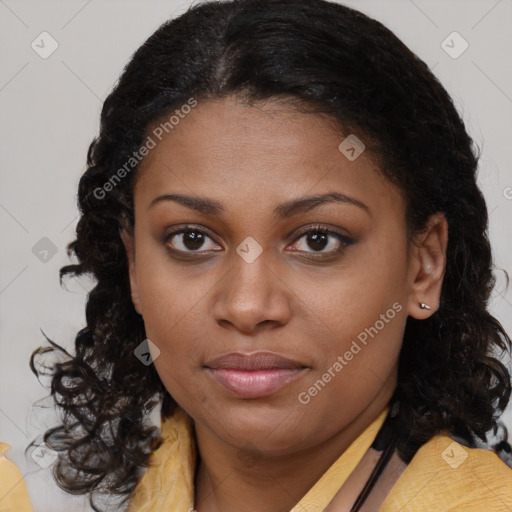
(13, 489)
(443, 476)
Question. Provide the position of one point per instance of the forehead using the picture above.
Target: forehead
(263, 153)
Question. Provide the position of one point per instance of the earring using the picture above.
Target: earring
(424, 306)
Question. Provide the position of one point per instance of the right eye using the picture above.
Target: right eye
(190, 240)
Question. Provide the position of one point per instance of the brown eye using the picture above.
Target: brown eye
(321, 240)
(190, 240)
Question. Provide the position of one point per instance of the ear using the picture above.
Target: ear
(129, 245)
(428, 265)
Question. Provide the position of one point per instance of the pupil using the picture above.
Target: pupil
(193, 240)
(317, 240)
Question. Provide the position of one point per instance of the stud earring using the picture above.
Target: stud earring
(424, 306)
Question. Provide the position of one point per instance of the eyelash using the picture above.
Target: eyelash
(344, 240)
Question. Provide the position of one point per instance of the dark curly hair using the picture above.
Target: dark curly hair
(324, 58)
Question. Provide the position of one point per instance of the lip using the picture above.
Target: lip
(254, 375)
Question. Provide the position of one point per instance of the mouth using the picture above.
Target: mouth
(254, 375)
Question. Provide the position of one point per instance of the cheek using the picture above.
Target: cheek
(181, 341)
(369, 290)
(360, 316)
(173, 319)
(361, 350)
(169, 296)
(354, 370)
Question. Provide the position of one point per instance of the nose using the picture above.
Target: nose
(252, 296)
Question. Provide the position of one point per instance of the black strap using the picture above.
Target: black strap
(385, 441)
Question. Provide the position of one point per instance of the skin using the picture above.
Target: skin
(299, 300)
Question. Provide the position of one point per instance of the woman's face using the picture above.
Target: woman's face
(270, 329)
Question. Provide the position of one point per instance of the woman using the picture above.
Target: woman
(291, 251)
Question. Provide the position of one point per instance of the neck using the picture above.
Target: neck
(232, 480)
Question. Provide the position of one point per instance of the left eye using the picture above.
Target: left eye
(320, 239)
(191, 240)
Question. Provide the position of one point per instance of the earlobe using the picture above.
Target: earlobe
(129, 245)
(428, 267)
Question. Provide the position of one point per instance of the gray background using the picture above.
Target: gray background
(50, 113)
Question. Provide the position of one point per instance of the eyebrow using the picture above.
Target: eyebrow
(285, 210)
